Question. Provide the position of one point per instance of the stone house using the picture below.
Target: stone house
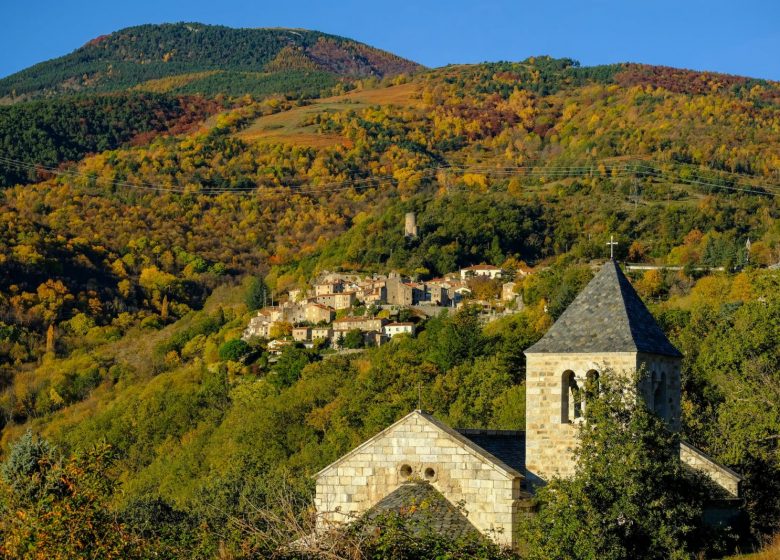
(374, 338)
(316, 313)
(259, 327)
(276, 346)
(431, 293)
(321, 333)
(301, 334)
(339, 300)
(376, 295)
(360, 323)
(325, 288)
(607, 330)
(292, 312)
(399, 292)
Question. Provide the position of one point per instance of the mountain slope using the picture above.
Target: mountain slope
(134, 55)
(119, 278)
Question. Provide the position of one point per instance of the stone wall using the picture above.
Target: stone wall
(420, 447)
(725, 478)
(665, 371)
(551, 438)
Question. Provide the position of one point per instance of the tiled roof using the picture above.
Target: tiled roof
(424, 509)
(607, 316)
(506, 445)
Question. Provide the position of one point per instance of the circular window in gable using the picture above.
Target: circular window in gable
(405, 471)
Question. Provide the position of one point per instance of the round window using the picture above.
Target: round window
(405, 471)
(430, 473)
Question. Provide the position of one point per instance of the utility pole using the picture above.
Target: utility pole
(635, 193)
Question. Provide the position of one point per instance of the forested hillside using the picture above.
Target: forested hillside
(124, 278)
(210, 59)
(35, 137)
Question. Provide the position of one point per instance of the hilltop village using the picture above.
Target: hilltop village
(349, 310)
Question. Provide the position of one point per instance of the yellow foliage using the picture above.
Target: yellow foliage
(476, 180)
(741, 289)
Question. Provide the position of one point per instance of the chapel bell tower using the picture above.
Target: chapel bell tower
(606, 330)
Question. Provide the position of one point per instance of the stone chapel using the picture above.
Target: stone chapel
(483, 480)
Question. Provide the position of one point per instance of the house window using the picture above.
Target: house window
(571, 398)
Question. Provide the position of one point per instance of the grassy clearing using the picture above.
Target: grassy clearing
(288, 126)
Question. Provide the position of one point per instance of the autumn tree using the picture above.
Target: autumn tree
(57, 507)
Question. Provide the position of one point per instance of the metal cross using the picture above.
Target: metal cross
(612, 244)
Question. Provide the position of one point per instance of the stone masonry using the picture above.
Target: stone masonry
(551, 433)
(721, 476)
(418, 447)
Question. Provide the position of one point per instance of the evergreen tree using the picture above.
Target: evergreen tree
(257, 293)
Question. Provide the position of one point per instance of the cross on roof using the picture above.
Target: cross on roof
(612, 244)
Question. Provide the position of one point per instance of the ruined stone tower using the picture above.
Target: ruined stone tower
(410, 225)
(606, 330)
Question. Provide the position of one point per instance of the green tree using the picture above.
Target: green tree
(257, 293)
(734, 380)
(353, 339)
(234, 350)
(289, 366)
(456, 339)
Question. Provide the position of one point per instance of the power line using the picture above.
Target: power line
(621, 170)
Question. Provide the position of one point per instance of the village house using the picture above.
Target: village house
(325, 288)
(321, 333)
(259, 327)
(301, 334)
(316, 313)
(292, 313)
(399, 292)
(484, 480)
(485, 270)
(360, 323)
(338, 300)
(375, 295)
(374, 338)
(393, 329)
(276, 346)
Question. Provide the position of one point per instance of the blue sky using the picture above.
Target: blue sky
(737, 36)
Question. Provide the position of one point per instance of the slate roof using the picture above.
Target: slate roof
(423, 508)
(506, 445)
(607, 316)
